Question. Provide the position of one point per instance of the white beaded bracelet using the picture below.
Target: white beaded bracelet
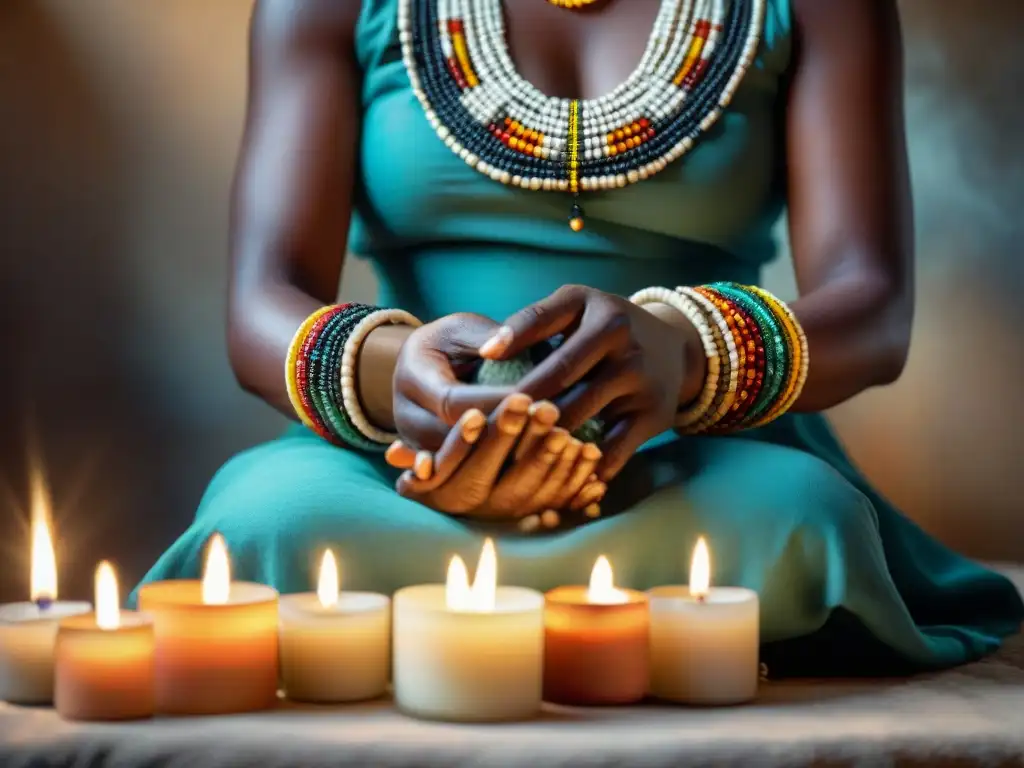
(691, 310)
(346, 371)
(729, 383)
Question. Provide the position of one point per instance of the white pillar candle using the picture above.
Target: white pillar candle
(469, 654)
(335, 646)
(704, 641)
(28, 631)
(105, 666)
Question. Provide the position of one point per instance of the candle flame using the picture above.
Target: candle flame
(602, 584)
(457, 593)
(485, 583)
(481, 596)
(700, 570)
(217, 575)
(328, 589)
(108, 610)
(43, 578)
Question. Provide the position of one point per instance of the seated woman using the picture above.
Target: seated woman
(425, 136)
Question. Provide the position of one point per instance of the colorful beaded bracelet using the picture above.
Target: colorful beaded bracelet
(756, 350)
(320, 373)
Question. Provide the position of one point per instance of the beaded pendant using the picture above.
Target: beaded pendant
(572, 5)
(457, 58)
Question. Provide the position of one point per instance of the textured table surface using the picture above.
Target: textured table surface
(969, 716)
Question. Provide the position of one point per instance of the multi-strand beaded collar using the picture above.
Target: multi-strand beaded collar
(459, 65)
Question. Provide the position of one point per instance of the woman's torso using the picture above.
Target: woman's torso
(444, 238)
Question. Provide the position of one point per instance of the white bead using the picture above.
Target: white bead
(648, 91)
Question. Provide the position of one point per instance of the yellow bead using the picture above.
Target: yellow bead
(576, 223)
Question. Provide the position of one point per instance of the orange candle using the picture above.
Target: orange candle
(216, 641)
(104, 661)
(595, 642)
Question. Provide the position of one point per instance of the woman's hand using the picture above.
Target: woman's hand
(552, 471)
(633, 366)
(429, 397)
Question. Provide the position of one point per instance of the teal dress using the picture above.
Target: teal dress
(848, 585)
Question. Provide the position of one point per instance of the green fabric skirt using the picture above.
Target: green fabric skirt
(848, 585)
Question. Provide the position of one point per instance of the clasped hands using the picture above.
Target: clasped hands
(507, 452)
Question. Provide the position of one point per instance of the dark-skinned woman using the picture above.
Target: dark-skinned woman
(587, 194)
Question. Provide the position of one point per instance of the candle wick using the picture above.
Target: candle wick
(44, 603)
(702, 598)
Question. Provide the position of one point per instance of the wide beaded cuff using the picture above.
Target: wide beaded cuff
(320, 372)
(756, 351)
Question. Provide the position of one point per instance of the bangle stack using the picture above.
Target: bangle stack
(757, 356)
(320, 372)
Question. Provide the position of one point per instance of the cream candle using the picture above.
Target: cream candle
(216, 641)
(595, 642)
(335, 646)
(704, 640)
(469, 653)
(105, 661)
(28, 631)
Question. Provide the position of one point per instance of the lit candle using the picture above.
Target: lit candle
(595, 642)
(104, 661)
(28, 631)
(335, 646)
(469, 653)
(216, 641)
(704, 641)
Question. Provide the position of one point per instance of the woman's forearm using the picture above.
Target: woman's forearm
(858, 335)
(261, 330)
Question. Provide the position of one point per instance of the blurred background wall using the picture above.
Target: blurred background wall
(119, 124)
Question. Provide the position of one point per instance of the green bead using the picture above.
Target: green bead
(508, 373)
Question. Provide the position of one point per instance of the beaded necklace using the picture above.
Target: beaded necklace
(459, 65)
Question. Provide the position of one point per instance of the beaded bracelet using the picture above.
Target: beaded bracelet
(349, 356)
(782, 344)
(756, 349)
(320, 378)
(689, 308)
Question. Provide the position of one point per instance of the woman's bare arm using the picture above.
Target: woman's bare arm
(849, 197)
(292, 195)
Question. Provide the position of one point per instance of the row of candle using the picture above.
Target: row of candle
(459, 651)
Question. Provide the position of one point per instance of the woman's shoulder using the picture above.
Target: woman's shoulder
(306, 19)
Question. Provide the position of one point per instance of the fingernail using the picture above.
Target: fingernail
(592, 511)
(424, 466)
(473, 419)
(472, 433)
(590, 494)
(572, 450)
(519, 403)
(497, 343)
(545, 411)
(591, 453)
(556, 441)
(550, 519)
(529, 524)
